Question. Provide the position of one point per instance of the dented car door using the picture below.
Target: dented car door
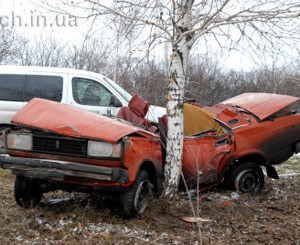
(204, 157)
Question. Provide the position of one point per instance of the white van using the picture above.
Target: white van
(86, 90)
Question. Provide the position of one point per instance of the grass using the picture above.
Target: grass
(269, 218)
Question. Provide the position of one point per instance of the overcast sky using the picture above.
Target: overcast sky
(34, 23)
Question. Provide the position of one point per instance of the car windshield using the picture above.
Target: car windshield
(120, 90)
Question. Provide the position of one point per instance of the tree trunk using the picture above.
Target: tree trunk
(117, 59)
(180, 52)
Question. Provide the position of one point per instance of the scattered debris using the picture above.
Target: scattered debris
(271, 217)
(195, 219)
(227, 203)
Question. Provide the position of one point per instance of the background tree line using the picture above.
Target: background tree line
(208, 82)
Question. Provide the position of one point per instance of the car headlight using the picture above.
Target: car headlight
(104, 149)
(19, 141)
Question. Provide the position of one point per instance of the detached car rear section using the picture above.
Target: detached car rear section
(80, 151)
(234, 140)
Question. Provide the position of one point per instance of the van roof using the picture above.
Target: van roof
(24, 69)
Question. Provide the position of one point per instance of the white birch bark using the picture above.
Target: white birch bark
(117, 58)
(181, 47)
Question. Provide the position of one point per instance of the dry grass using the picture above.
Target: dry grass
(272, 217)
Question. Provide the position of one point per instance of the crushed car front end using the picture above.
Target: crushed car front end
(44, 155)
(80, 151)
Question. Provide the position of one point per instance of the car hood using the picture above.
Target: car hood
(261, 104)
(68, 120)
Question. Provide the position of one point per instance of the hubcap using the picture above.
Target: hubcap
(248, 181)
(141, 197)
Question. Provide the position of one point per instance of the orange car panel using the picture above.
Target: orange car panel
(203, 156)
(273, 139)
(68, 120)
(261, 104)
(139, 150)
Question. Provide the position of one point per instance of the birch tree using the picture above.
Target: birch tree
(249, 26)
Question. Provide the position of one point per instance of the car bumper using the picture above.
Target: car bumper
(60, 170)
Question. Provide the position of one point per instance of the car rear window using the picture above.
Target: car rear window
(45, 87)
(12, 87)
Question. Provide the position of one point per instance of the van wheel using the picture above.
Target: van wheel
(2, 148)
(247, 177)
(27, 192)
(135, 200)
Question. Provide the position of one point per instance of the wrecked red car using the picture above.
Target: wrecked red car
(56, 146)
(247, 132)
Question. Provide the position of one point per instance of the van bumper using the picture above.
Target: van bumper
(60, 170)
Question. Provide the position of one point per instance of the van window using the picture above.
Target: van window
(89, 92)
(45, 87)
(12, 87)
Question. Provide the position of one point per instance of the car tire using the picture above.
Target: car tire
(27, 192)
(135, 200)
(247, 178)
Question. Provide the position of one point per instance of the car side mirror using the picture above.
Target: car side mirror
(115, 102)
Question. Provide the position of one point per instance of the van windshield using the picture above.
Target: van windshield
(120, 90)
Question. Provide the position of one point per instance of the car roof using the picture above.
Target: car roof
(262, 105)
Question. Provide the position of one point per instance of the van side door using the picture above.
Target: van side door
(45, 86)
(92, 95)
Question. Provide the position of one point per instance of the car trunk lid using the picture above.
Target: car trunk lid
(261, 105)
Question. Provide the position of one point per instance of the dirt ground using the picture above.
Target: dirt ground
(273, 217)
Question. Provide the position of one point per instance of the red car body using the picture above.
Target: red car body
(251, 130)
(260, 128)
(64, 120)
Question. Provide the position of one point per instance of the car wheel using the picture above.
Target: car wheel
(247, 177)
(27, 192)
(135, 200)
